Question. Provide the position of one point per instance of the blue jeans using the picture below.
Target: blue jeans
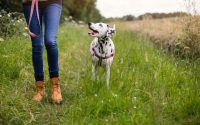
(51, 17)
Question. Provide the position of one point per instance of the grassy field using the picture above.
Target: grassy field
(166, 27)
(147, 86)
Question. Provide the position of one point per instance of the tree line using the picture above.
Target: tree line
(147, 16)
(84, 10)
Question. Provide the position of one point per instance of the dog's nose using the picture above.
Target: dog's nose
(89, 24)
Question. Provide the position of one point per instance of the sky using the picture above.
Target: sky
(119, 8)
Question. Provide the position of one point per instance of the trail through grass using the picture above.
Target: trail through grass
(147, 86)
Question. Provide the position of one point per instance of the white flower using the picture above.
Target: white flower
(25, 34)
(95, 95)
(8, 14)
(1, 39)
(66, 19)
(114, 95)
(0, 16)
(26, 28)
(70, 17)
(134, 107)
(18, 21)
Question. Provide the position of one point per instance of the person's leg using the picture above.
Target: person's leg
(37, 43)
(37, 52)
(52, 15)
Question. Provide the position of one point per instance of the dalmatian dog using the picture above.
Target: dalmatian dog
(102, 48)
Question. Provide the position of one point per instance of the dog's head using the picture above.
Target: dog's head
(101, 30)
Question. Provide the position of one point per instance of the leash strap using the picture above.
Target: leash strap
(34, 5)
(101, 57)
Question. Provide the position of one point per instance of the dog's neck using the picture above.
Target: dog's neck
(102, 40)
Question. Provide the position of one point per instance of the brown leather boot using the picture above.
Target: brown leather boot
(40, 88)
(56, 91)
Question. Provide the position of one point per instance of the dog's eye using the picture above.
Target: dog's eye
(100, 25)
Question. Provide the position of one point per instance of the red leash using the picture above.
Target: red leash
(33, 5)
(101, 57)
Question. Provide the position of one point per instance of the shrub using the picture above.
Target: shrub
(11, 24)
(191, 36)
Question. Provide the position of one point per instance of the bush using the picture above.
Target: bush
(11, 24)
(191, 36)
(188, 45)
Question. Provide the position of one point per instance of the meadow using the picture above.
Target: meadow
(148, 87)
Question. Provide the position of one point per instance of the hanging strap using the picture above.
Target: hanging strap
(101, 57)
(34, 5)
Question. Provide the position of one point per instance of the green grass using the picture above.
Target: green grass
(147, 86)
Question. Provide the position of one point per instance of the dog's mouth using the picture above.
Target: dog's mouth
(94, 32)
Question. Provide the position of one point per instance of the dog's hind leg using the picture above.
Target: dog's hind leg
(108, 76)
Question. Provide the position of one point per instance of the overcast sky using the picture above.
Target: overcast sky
(118, 8)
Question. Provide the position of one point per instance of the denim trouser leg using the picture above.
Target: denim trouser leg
(37, 43)
(51, 15)
(51, 20)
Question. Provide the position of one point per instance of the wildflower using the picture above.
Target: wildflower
(25, 34)
(114, 95)
(95, 95)
(0, 16)
(66, 19)
(18, 21)
(102, 101)
(26, 28)
(73, 21)
(134, 107)
(1, 39)
(70, 17)
(8, 14)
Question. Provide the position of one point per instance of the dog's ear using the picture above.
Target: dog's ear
(111, 31)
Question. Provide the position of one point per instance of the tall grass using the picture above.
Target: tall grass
(147, 86)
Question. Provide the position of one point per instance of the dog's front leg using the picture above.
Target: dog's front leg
(107, 76)
(94, 71)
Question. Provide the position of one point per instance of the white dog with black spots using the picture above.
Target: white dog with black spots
(102, 48)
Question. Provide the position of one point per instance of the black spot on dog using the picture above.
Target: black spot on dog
(103, 41)
(110, 44)
(99, 49)
(100, 25)
(111, 50)
(106, 43)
